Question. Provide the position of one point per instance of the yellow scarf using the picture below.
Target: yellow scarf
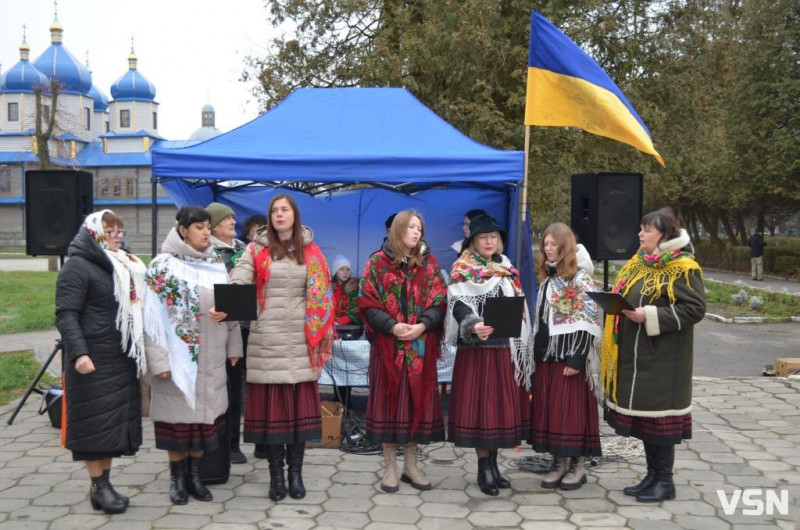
(653, 270)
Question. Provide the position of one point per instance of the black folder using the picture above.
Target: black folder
(504, 314)
(612, 303)
(239, 301)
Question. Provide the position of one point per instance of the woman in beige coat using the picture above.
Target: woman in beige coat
(289, 342)
(186, 345)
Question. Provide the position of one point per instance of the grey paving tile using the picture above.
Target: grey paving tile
(38, 513)
(182, 521)
(543, 513)
(279, 523)
(341, 520)
(126, 525)
(24, 525)
(229, 526)
(79, 522)
(494, 519)
(451, 511)
(547, 525)
(300, 511)
(695, 522)
(435, 523)
(239, 517)
(394, 514)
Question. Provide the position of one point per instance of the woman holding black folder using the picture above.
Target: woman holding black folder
(565, 349)
(186, 344)
(289, 342)
(647, 353)
(488, 400)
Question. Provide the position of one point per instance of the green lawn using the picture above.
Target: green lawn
(18, 369)
(27, 301)
(718, 300)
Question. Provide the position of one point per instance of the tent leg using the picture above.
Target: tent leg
(154, 218)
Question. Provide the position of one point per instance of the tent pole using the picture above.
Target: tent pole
(154, 217)
(523, 202)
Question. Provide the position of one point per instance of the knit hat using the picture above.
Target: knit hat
(338, 262)
(483, 224)
(218, 212)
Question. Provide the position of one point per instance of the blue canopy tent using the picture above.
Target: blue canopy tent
(351, 157)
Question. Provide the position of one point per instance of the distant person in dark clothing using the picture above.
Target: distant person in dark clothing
(251, 224)
(459, 245)
(757, 245)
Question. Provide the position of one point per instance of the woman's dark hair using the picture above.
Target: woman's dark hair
(254, 220)
(664, 221)
(277, 248)
(189, 215)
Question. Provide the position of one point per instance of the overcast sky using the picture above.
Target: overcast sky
(192, 50)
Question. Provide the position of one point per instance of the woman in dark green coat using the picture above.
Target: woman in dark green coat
(647, 353)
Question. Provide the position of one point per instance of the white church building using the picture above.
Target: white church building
(110, 138)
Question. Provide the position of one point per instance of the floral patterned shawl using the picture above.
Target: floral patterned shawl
(172, 305)
(319, 298)
(382, 288)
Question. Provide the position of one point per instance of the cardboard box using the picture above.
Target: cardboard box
(787, 366)
(331, 426)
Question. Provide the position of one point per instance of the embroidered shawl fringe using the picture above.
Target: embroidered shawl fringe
(129, 273)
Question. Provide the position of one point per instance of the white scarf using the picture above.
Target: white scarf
(129, 288)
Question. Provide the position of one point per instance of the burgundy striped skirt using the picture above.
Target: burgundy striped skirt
(282, 414)
(383, 427)
(181, 437)
(565, 417)
(487, 408)
(660, 431)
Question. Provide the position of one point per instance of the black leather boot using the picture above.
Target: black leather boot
(486, 477)
(277, 484)
(662, 488)
(194, 485)
(125, 500)
(501, 481)
(177, 482)
(294, 457)
(102, 498)
(648, 479)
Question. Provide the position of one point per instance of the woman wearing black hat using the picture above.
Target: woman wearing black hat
(487, 406)
(565, 349)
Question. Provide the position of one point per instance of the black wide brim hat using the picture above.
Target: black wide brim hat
(483, 224)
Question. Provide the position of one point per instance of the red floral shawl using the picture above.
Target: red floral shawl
(382, 288)
(319, 298)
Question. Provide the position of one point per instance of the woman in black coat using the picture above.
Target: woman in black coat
(99, 316)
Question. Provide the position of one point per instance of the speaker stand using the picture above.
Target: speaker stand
(605, 275)
(58, 347)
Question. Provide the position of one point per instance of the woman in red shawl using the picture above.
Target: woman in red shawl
(403, 303)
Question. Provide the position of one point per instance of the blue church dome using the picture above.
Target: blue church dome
(133, 85)
(56, 61)
(23, 76)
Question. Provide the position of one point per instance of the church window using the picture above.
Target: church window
(5, 180)
(107, 127)
(116, 187)
(13, 112)
(88, 113)
(124, 118)
(155, 121)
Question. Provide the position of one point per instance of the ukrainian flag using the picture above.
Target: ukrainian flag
(567, 88)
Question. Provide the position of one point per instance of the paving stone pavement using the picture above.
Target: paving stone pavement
(746, 435)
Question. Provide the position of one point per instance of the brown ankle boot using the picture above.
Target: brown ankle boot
(576, 474)
(389, 482)
(411, 473)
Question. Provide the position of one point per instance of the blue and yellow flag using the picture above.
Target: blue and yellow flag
(567, 88)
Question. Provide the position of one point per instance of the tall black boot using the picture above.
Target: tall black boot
(102, 498)
(177, 482)
(501, 481)
(486, 477)
(277, 484)
(648, 479)
(662, 488)
(194, 485)
(123, 498)
(294, 457)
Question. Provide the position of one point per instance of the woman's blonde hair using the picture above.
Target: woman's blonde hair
(567, 260)
(396, 232)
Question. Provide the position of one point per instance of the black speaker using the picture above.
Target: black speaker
(606, 210)
(56, 202)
